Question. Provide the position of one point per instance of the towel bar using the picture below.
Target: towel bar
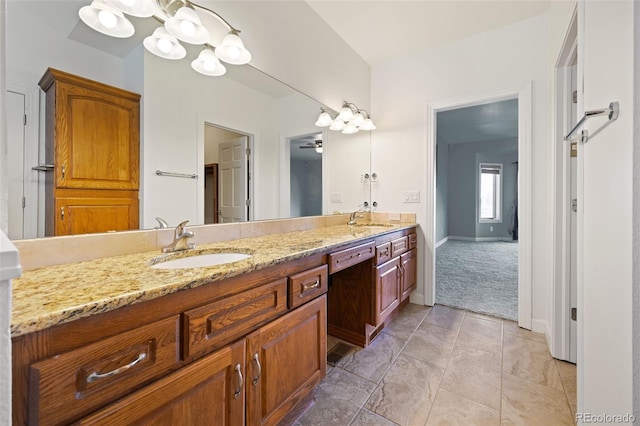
(180, 175)
(612, 111)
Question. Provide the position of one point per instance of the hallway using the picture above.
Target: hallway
(446, 366)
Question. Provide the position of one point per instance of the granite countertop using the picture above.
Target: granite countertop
(54, 295)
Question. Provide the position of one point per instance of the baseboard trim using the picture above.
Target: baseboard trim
(442, 241)
(478, 239)
(541, 326)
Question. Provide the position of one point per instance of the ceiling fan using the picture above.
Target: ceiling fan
(317, 145)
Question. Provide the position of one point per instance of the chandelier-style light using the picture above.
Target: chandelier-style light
(180, 22)
(349, 120)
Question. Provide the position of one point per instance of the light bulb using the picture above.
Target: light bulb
(128, 2)
(107, 18)
(187, 27)
(233, 52)
(164, 45)
(209, 65)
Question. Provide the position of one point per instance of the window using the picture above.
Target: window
(490, 197)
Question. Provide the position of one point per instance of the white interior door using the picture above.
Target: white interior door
(233, 181)
(15, 163)
(573, 230)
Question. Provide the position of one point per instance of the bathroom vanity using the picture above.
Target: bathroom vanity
(115, 341)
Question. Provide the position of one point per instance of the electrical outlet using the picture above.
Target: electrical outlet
(411, 196)
(336, 197)
(491, 229)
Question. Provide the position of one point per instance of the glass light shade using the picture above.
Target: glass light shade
(367, 124)
(164, 45)
(185, 25)
(232, 50)
(357, 119)
(337, 125)
(139, 8)
(106, 20)
(207, 63)
(350, 128)
(345, 113)
(324, 120)
(318, 149)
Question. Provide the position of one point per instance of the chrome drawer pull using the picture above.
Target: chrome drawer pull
(97, 376)
(257, 360)
(306, 287)
(239, 388)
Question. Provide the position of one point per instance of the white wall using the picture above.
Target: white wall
(505, 58)
(636, 216)
(605, 261)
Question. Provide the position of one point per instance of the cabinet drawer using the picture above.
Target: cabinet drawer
(383, 253)
(307, 285)
(352, 256)
(75, 383)
(216, 324)
(399, 246)
(413, 241)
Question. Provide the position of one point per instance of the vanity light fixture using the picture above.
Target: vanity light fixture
(349, 120)
(180, 22)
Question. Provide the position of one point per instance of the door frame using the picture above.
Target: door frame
(33, 181)
(560, 341)
(523, 94)
(202, 122)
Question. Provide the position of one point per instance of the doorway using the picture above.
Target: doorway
(227, 175)
(524, 190)
(477, 208)
(305, 175)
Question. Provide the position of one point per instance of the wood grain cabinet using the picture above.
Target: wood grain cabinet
(286, 359)
(230, 352)
(395, 276)
(93, 140)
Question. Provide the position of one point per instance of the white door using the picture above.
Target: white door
(233, 181)
(15, 163)
(573, 230)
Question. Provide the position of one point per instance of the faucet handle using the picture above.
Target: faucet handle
(180, 228)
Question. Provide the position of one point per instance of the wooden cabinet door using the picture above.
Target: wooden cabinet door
(286, 359)
(207, 392)
(101, 213)
(387, 289)
(97, 137)
(409, 262)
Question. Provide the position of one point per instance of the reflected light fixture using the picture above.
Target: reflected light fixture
(180, 21)
(349, 120)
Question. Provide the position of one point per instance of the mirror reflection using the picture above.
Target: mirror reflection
(186, 120)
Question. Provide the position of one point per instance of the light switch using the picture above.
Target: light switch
(411, 196)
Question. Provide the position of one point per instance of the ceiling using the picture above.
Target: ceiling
(495, 121)
(385, 30)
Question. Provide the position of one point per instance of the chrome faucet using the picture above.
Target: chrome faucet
(180, 239)
(162, 224)
(353, 217)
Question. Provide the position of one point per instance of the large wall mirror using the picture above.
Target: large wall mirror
(186, 119)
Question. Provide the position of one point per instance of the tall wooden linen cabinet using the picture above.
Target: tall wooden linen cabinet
(93, 140)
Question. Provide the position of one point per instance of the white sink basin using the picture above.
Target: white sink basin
(201, 261)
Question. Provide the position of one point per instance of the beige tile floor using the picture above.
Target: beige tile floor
(443, 366)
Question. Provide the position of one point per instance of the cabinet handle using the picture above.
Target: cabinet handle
(61, 213)
(239, 388)
(64, 171)
(385, 253)
(97, 376)
(256, 358)
(309, 286)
